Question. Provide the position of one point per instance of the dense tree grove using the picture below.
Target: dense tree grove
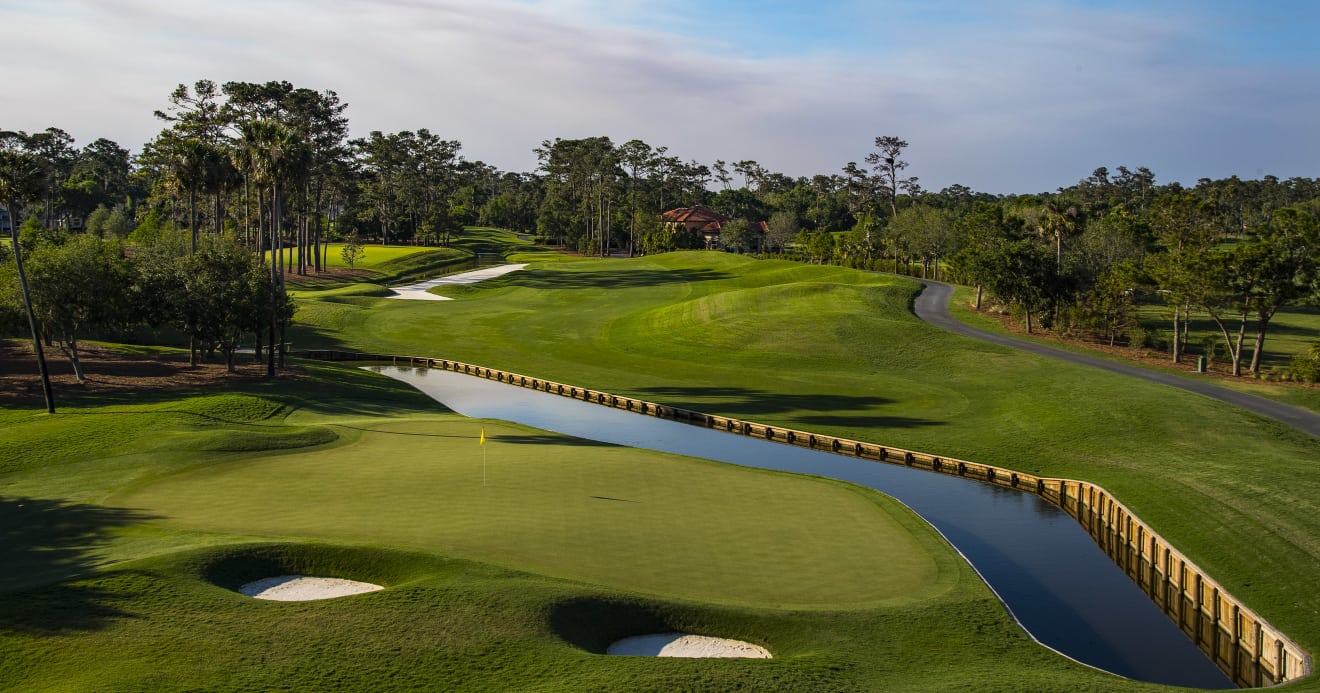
(247, 182)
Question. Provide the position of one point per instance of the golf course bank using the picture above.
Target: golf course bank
(124, 504)
(839, 353)
(168, 505)
(1109, 613)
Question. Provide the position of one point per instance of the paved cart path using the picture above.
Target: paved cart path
(932, 305)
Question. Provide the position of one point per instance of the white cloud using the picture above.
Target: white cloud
(1023, 101)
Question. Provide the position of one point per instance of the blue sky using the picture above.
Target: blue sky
(1003, 97)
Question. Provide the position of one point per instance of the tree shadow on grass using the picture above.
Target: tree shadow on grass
(863, 421)
(745, 402)
(550, 440)
(355, 393)
(608, 278)
(44, 545)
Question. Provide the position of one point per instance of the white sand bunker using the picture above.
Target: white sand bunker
(683, 645)
(300, 588)
(417, 292)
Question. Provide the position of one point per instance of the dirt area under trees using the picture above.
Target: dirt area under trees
(112, 372)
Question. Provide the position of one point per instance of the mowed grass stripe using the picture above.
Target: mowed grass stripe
(98, 597)
(629, 519)
(845, 356)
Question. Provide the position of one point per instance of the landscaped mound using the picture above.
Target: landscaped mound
(684, 645)
(305, 572)
(301, 588)
(610, 626)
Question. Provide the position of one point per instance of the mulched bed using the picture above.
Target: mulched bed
(110, 372)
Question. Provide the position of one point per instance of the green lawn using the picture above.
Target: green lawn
(557, 506)
(135, 512)
(1292, 332)
(838, 351)
(129, 522)
(396, 264)
(374, 257)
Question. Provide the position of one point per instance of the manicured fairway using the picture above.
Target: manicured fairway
(133, 516)
(129, 521)
(374, 255)
(838, 351)
(558, 506)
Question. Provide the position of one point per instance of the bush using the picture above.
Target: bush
(1137, 337)
(1211, 348)
(1305, 369)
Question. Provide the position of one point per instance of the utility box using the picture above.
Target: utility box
(1200, 364)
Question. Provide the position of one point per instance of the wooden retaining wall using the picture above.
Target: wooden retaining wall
(1242, 644)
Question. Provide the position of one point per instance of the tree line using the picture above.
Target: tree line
(268, 172)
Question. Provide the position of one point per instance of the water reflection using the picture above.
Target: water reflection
(1057, 583)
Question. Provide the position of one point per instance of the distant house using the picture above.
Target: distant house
(708, 222)
(701, 219)
(705, 221)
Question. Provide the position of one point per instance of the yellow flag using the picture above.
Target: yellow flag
(483, 436)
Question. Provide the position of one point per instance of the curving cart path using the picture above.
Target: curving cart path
(932, 306)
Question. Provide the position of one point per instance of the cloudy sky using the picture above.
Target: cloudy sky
(1002, 96)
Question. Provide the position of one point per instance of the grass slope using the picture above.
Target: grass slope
(1291, 333)
(683, 528)
(838, 351)
(129, 520)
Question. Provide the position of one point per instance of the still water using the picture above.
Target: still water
(1053, 578)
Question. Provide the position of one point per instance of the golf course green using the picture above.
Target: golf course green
(131, 520)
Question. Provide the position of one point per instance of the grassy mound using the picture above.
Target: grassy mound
(604, 514)
(236, 565)
(838, 351)
(165, 624)
(126, 536)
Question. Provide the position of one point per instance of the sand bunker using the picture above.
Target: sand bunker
(683, 645)
(299, 588)
(417, 292)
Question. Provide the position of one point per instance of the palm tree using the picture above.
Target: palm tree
(276, 154)
(218, 174)
(21, 180)
(189, 169)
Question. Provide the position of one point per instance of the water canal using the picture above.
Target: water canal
(1057, 583)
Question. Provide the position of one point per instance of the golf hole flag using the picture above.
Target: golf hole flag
(482, 443)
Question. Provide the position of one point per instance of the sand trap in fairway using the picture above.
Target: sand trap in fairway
(417, 292)
(683, 645)
(299, 588)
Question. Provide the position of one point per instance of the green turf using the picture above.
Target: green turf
(810, 347)
(395, 264)
(838, 351)
(1292, 333)
(128, 527)
(173, 623)
(604, 514)
(375, 257)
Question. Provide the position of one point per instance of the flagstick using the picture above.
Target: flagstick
(483, 465)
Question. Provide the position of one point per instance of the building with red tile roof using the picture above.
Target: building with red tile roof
(705, 221)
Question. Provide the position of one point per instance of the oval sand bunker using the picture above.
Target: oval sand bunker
(300, 588)
(683, 645)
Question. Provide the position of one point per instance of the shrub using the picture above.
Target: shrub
(1211, 347)
(1305, 369)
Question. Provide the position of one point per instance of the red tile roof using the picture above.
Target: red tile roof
(691, 215)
